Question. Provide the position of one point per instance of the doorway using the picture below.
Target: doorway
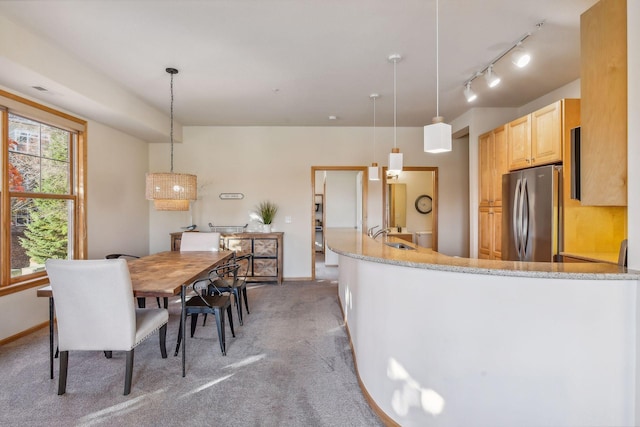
(339, 199)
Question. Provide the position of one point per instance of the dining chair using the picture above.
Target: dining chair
(203, 302)
(234, 283)
(95, 311)
(141, 300)
(199, 241)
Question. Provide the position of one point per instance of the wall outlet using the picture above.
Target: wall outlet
(287, 219)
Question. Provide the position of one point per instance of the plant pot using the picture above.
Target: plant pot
(266, 228)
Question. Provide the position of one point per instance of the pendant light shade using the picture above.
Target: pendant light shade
(395, 157)
(395, 161)
(171, 191)
(374, 169)
(437, 136)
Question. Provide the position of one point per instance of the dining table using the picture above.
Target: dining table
(160, 275)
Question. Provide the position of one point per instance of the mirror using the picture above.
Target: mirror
(405, 204)
(397, 205)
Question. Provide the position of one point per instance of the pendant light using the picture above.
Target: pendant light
(395, 157)
(374, 169)
(171, 191)
(437, 136)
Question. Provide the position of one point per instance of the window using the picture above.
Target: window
(43, 180)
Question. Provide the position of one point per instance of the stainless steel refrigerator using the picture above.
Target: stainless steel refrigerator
(531, 217)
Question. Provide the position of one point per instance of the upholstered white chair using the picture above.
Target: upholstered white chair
(95, 311)
(193, 241)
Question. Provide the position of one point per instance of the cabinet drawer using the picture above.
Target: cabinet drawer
(239, 245)
(265, 247)
(265, 267)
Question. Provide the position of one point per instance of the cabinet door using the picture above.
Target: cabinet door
(519, 139)
(546, 135)
(496, 218)
(265, 267)
(499, 162)
(485, 152)
(238, 244)
(485, 232)
(603, 89)
(265, 247)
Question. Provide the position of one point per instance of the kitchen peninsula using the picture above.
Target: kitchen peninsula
(446, 341)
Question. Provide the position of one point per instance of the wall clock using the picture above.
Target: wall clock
(424, 204)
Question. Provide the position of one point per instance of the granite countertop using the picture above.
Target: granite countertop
(355, 244)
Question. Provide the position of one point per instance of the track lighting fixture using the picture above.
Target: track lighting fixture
(469, 93)
(492, 78)
(519, 57)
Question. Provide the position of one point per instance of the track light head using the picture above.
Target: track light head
(492, 78)
(520, 57)
(469, 93)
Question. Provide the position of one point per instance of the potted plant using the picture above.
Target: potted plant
(266, 211)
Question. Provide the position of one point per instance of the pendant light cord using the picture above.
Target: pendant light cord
(395, 61)
(171, 122)
(374, 128)
(437, 63)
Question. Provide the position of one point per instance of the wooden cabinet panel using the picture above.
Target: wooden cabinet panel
(519, 137)
(485, 148)
(500, 167)
(546, 135)
(490, 233)
(603, 87)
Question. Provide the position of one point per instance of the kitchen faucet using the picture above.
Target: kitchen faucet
(370, 230)
(379, 232)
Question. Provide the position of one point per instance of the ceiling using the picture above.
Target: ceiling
(297, 62)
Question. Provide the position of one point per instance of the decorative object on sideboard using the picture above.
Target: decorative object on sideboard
(171, 191)
(266, 212)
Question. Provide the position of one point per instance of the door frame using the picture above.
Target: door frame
(314, 169)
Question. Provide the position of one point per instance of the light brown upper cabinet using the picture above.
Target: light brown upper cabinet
(538, 138)
(493, 164)
(603, 87)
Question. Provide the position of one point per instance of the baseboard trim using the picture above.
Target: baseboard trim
(23, 333)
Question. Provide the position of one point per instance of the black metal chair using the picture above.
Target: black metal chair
(205, 302)
(235, 284)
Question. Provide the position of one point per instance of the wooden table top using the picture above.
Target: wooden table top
(164, 273)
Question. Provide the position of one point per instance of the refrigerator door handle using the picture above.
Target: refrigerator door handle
(525, 218)
(515, 217)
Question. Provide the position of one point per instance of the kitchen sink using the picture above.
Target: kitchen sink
(399, 245)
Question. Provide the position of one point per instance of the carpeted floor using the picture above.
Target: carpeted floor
(289, 365)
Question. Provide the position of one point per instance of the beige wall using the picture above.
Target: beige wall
(275, 163)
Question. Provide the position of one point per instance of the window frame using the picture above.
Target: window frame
(10, 103)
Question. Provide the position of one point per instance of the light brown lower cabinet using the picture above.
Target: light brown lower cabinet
(490, 233)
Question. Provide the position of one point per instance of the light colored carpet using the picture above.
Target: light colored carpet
(289, 365)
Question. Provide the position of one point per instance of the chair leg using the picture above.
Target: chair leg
(246, 303)
(236, 297)
(108, 354)
(179, 338)
(163, 341)
(62, 380)
(194, 320)
(128, 372)
(142, 303)
(220, 324)
(230, 315)
(158, 301)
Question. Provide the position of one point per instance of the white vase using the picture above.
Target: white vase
(266, 228)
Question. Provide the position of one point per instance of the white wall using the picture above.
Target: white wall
(275, 163)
